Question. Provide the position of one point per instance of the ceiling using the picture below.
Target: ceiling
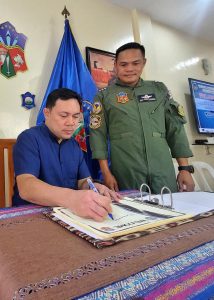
(194, 17)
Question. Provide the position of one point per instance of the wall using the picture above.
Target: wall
(185, 48)
(102, 25)
(94, 23)
(166, 51)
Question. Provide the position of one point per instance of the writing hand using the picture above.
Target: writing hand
(88, 204)
(104, 190)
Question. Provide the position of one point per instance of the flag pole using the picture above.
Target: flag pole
(65, 12)
(71, 72)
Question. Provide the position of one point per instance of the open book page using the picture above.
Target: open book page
(188, 202)
(129, 216)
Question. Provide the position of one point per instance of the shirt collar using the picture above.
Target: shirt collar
(119, 82)
(50, 133)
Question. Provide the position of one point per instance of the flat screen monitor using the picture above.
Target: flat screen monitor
(202, 93)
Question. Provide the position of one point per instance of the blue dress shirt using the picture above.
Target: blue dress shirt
(38, 152)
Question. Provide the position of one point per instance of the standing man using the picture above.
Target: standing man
(49, 165)
(145, 129)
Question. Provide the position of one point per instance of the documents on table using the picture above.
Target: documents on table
(130, 215)
(187, 202)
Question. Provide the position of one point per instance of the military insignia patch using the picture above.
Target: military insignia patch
(122, 97)
(95, 121)
(28, 100)
(97, 107)
(12, 45)
(181, 110)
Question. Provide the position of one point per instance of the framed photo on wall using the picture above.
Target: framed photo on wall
(101, 66)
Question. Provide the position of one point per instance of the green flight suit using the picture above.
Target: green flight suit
(145, 129)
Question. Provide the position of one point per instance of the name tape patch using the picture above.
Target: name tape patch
(146, 97)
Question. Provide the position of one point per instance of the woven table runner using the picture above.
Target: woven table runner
(41, 260)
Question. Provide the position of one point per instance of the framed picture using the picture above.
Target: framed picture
(101, 66)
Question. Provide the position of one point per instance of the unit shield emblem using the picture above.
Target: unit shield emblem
(12, 43)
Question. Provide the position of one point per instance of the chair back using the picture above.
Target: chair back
(6, 172)
(205, 175)
(197, 186)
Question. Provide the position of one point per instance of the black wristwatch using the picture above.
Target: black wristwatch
(189, 168)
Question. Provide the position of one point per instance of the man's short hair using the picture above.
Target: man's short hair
(132, 45)
(62, 94)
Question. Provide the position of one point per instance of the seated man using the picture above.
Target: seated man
(49, 165)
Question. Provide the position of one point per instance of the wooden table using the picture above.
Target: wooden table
(41, 260)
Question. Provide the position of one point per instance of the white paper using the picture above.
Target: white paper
(188, 202)
(123, 219)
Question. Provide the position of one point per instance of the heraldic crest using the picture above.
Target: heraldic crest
(12, 46)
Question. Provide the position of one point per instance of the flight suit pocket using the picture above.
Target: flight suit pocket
(122, 135)
(158, 134)
(118, 108)
(157, 119)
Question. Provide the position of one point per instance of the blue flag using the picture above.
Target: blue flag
(70, 71)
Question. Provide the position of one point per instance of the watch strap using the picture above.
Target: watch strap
(189, 168)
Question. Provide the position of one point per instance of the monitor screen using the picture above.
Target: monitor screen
(202, 93)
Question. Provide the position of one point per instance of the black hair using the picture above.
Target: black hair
(62, 94)
(131, 45)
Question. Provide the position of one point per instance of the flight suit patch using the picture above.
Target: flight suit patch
(97, 107)
(181, 110)
(95, 121)
(122, 97)
(146, 97)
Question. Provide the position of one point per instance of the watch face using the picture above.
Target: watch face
(191, 169)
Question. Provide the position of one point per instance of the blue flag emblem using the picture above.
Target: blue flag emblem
(70, 71)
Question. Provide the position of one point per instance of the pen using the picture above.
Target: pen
(93, 188)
